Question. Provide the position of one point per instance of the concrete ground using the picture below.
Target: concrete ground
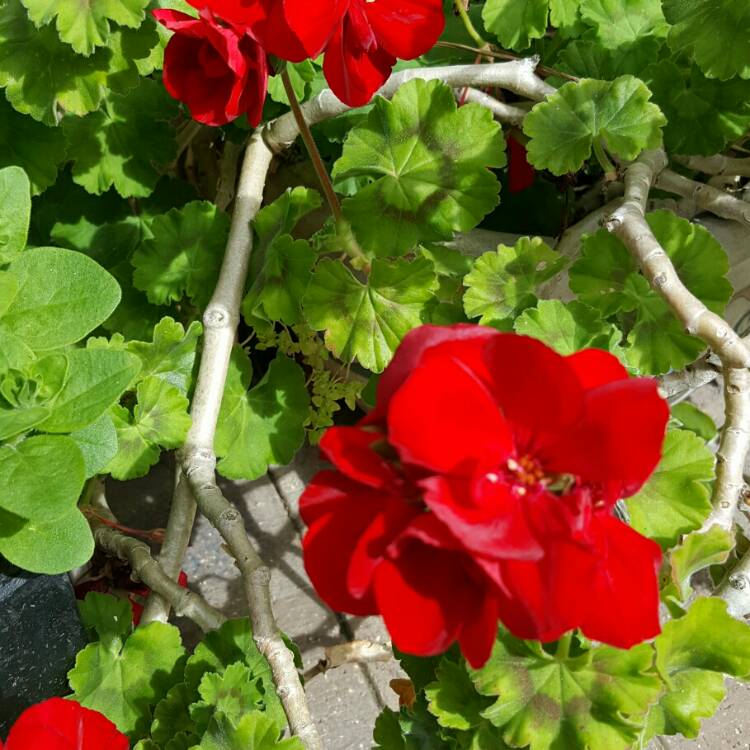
(346, 700)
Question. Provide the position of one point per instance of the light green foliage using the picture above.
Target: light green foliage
(429, 163)
(106, 617)
(586, 58)
(367, 320)
(502, 284)
(62, 295)
(693, 654)
(616, 113)
(280, 265)
(263, 425)
(183, 255)
(690, 417)
(715, 33)
(124, 678)
(606, 277)
(675, 500)
(619, 22)
(697, 551)
(568, 327)
(595, 701)
(96, 380)
(253, 732)
(97, 443)
(516, 22)
(15, 214)
(86, 27)
(66, 82)
(124, 144)
(453, 699)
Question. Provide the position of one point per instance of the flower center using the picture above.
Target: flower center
(526, 470)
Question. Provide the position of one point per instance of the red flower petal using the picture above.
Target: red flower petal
(410, 352)
(313, 29)
(444, 418)
(619, 438)
(486, 516)
(479, 632)
(534, 385)
(406, 28)
(354, 74)
(595, 367)
(349, 450)
(622, 599)
(520, 173)
(58, 724)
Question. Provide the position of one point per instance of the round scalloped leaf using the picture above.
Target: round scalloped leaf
(367, 321)
(620, 22)
(62, 295)
(429, 162)
(124, 144)
(516, 22)
(48, 547)
(716, 33)
(618, 113)
(86, 26)
(675, 500)
(503, 283)
(595, 701)
(253, 732)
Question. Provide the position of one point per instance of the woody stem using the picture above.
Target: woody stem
(312, 149)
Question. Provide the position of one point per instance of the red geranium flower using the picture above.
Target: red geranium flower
(58, 724)
(217, 69)
(482, 486)
(370, 36)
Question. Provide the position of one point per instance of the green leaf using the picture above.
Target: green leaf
(715, 33)
(96, 380)
(85, 27)
(502, 284)
(367, 321)
(253, 732)
(453, 699)
(300, 74)
(516, 22)
(66, 82)
(588, 59)
(619, 22)
(231, 643)
(595, 701)
(125, 679)
(170, 355)
(616, 113)
(97, 443)
(126, 144)
(15, 214)
(28, 144)
(429, 162)
(703, 115)
(171, 715)
(183, 255)
(42, 477)
(264, 425)
(675, 500)
(233, 693)
(697, 551)
(62, 295)
(692, 418)
(160, 419)
(568, 327)
(606, 277)
(44, 546)
(694, 653)
(106, 615)
(279, 265)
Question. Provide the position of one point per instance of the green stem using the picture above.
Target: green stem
(563, 646)
(610, 171)
(312, 149)
(470, 28)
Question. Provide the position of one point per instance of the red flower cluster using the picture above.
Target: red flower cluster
(218, 63)
(58, 724)
(481, 488)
